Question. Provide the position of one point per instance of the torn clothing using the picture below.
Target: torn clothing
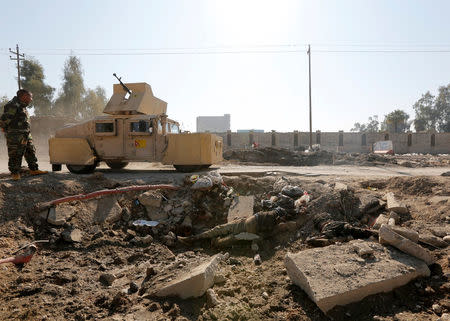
(260, 223)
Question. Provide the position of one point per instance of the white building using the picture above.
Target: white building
(213, 124)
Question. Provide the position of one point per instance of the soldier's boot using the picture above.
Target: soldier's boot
(15, 176)
(37, 172)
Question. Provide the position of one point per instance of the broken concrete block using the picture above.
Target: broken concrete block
(441, 231)
(405, 232)
(211, 298)
(108, 210)
(432, 240)
(193, 283)
(381, 219)
(387, 235)
(394, 205)
(59, 214)
(241, 207)
(72, 235)
(369, 204)
(245, 236)
(338, 275)
(150, 199)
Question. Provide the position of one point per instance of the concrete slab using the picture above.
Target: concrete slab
(60, 214)
(241, 207)
(193, 283)
(394, 205)
(342, 274)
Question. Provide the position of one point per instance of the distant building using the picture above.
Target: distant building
(250, 130)
(213, 124)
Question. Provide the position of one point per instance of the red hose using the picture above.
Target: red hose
(43, 206)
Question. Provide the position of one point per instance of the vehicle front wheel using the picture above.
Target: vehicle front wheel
(81, 169)
(116, 164)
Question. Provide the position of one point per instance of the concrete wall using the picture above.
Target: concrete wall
(213, 123)
(341, 141)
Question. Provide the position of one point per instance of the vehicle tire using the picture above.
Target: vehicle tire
(116, 164)
(56, 167)
(204, 166)
(187, 168)
(81, 169)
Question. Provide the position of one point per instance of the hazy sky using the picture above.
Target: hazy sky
(267, 89)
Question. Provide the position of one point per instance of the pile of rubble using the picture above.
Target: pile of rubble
(336, 243)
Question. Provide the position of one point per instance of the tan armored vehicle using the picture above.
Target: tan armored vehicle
(135, 129)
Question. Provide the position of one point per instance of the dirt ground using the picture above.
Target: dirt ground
(63, 280)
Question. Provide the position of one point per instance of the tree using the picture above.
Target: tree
(426, 114)
(443, 109)
(32, 78)
(70, 100)
(94, 102)
(372, 126)
(396, 122)
(3, 100)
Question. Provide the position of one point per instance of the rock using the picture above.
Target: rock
(126, 214)
(241, 207)
(387, 235)
(133, 287)
(257, 259)
(215, 177)
(186, 225)
(391, 222)
(72, 235)
(211, 298)
(219, 279)
(150, 199)
(381, 219)
(292, 191)
(440, 231)
(175, 311)
(255, 247)
(155, 306)
(265, 295)
(337, 275)
(444, 316)
(202, 184)
(107, 279)
(394, 205)
(60, 214)
(432, 240)
(170, 239)
(437, 308)
(192, 283)
(446, 173)
(108, 210)
(447, 239)
(167, 208)
(150, 271)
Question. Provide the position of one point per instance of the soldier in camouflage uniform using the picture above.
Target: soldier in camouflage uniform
(16, 125)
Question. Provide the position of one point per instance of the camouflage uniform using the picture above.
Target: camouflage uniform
(15, 122)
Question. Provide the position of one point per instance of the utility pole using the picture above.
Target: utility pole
(18, 56)
(310, 112)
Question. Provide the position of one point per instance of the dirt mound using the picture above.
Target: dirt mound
(279, 156)
(412, 186)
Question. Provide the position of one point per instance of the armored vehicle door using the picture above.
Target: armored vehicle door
(140, 139)
(108, 138)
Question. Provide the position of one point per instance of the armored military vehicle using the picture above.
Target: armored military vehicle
(134, 129)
